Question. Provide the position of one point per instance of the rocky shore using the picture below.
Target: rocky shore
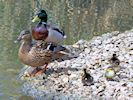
(62, 80)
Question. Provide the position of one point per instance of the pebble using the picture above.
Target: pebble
(65, 79)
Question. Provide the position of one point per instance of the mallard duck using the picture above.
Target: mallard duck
(114, 60)
(87, 79)
(45, 32)
(110, 73)
(35, 56)
(115, 63)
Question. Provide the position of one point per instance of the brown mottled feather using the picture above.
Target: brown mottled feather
(33, 55)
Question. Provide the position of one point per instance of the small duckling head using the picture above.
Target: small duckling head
(86, 74)
(84, 70)
(114, 58)
(114, 55)
(24, 35)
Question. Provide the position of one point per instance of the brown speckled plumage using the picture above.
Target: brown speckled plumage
(36, 56)
(32, 55)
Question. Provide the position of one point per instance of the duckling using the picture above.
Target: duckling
(110, 73)
(115, 63)
(35, 56)
(114, 59)
(44, 31)
(87, 79)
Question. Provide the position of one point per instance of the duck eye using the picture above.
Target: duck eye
(25, 32)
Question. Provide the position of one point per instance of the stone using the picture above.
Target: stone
(65, 79)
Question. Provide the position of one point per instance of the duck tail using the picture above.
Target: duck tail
(63, 33)
(65, 36)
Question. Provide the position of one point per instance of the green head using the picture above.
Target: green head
(40, 15)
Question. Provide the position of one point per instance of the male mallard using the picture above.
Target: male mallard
(43, 31)
(87, 79)
(35, 56)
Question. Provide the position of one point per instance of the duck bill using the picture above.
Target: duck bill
(36, 18)
(17, 40)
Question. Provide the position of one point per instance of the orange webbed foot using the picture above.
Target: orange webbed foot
(38, 71)
(43, 70)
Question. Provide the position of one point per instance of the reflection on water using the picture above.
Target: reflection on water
(8, 84)
(10, 25)
(78, 18)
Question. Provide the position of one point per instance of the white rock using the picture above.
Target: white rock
(131, 52)
(65, 79)
(87, 50)
(73, 76)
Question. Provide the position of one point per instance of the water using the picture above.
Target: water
(9, 84)
(10, 66)
(80, 19)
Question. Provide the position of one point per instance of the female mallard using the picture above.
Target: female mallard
(43, 31)
(33, 55)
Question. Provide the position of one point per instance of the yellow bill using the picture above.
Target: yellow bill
(36, 18)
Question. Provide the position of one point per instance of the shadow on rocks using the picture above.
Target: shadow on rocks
(60, 70)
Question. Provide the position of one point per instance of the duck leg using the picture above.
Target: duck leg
(33, 73)
(42, 70)
(38, 70)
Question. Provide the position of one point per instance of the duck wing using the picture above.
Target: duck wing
(61, 32)
(62, 53)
